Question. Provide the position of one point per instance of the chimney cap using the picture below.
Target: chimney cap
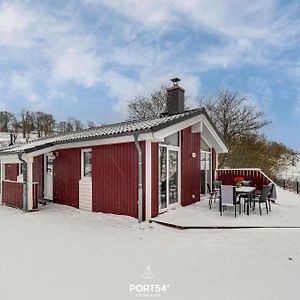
(175, 80)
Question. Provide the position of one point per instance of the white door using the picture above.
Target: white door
(48, 177)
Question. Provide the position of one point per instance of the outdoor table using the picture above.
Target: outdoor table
(246, 190)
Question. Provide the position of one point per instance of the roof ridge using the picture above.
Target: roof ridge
(109, 130)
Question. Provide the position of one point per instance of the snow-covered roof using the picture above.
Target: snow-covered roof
(106, 131)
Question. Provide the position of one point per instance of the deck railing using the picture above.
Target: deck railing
(257, 176)
(291, 184)
(12, 194)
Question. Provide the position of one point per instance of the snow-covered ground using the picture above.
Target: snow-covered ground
(5, 138)
(62, 253)
(199, 214)
(292, 172)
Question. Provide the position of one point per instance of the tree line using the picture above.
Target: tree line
(240, 124)
(43, 124)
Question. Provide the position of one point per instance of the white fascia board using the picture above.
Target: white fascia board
(196, 123)
(198, 127)
(161, 134)
(91, 143)
(220, 143)
(10, 159)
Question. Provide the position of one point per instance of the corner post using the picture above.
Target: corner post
(140, 178)
(29, 183)
(148, 181)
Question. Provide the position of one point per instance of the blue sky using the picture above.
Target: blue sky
(87, 58)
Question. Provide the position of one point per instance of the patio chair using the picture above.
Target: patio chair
(228, 198)
(262, 198)
(244, 196)
(212, 195)
(272, 186)
(246, 183)
(217, 185)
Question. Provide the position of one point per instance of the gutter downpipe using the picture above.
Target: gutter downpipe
(25, 184)
(140, 177)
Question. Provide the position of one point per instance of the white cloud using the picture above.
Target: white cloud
(15, 25)
(78, 65)
(246, 31)
(235, 19)
(22, 85)
(122, 50)
(55, 41)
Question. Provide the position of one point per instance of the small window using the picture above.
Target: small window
(87, 163)
(172, 139)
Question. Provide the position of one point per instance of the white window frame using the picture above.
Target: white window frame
(88, 178)
(211, 169)
(178, 149)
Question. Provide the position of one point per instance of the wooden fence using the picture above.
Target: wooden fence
(258, 178)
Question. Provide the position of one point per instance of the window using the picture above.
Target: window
(86, 163)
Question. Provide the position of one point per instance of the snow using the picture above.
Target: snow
(292, 172)
(5, 138)
(62, 253)
(199, 214)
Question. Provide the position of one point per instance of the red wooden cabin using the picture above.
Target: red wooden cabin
(136, 168)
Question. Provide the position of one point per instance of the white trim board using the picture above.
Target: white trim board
(157, 136)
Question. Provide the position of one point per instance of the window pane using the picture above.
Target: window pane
(173, 176)
(49, 166)
(87, 171)
(163, 177)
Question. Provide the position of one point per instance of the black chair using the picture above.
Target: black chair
(245, 196)
(262, 198)
(271, 185)
(228, 198)
(246, 183)
(217, 184)
(212, 195)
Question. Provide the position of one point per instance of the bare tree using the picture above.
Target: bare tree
(7, 119)
(62, 127)
(91, 124)
(145, 107)
(48, 124)
(38, 118)
(233, 115)
(71, 125)
(74, 124)
(239, 122)
(27, 122)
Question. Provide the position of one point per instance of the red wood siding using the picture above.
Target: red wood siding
(35, 195)
(154, 180)
(11, 171)
(190, 167)
(115, 179)
(12, 194)
(66, 175)
(38, 175)
(258, 179)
